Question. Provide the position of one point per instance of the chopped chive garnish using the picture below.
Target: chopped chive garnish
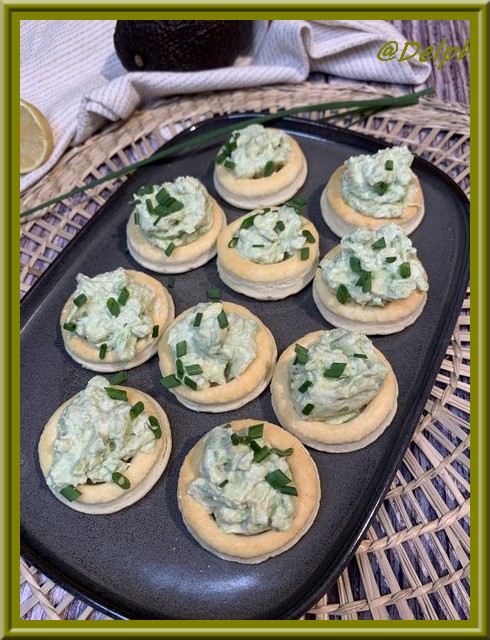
(305, 253)
(143, 191)
(405, 270)
(305, 386)
(136, 217)
(220, 158)
(390, 259)
(255, 431)
(180, 368)
(290, 491)
(113, 307)
(197, 320)
(79, 300)
(170, 381)
(301, 354)
(389, 165)
(193, 369)
(268, 169)
(235, 439)
(381, 188)
(136, 409)
(70, 492)
(222, 320)
(255, 446)
(258, 246)
(227, 426)
(123, 297)
(342, 294)
(309, 236)
(149, 205)
(102, 351)
(379, 244)
(335, 370)
(169, 250)
(308, 409)
(224, 483)
(117, 394)
(181, 349)
(277, 479)
(119, 378)
(155, 330)
(229, 164)
(155, 426)
(189, 382)
(233, 243)
(213, 294)
(355, 264)
(360, 355)
(297, 204)
(261, 454)
(121, 480)
(279, 226)
(365, 281)
(133, 203)
(70, 326)
(162, 196)
(283, 453)
(266, 210)
(171, 282)
(247, 223)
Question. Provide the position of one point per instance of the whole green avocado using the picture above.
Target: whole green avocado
(181, 45)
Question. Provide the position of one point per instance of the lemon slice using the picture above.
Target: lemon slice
(36, 138)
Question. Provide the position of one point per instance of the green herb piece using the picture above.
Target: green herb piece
(233, 243)
(389, 165)
(255, 431)
(258, 246)
(170, 249)
(309, 236)
(136, 409)
(194, 369)
(283, 453)
(381, 188)
(360, 355)
(255, 446)
(268, 169)
(301, 354)
(197, 320)
(154, 425)
(248, 222)
(355, 264)
(119, 378)
(162, 196)
(261, 454)
(133, 203)
(220, 158)
(222, 320)
(304, 253)
(277, 479)
(335, 370)
(102, 351)
(223, 484)
(113, 307)
(79, 300)
(297, 204)
(305, 386)
(189, 382)
(390, 259)
(405, 270)
(121, 480)
(70, 492)
(171, 282)
(235, 439)
(279, 227)
(180, 368)
(70, 326)
(136, 217)
(123, 297)
(170, 381)
(181, 349)
(149, 206)
(213, 294)
(143, 191)
(308, 409)
(365, 281)
(342, 294)
(227, 426)
(266, 210)
(229, 164)
(117, 394)
(379, 244)
(155, 330)
(290, 491)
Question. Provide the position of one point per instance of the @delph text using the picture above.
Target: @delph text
(442, 53)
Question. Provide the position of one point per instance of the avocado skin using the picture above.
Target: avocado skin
(181, 45)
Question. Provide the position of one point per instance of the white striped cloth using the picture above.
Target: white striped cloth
(70, 71)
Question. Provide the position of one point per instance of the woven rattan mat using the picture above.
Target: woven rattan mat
(414, 560)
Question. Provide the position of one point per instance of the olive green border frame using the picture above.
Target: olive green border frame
(11, 12)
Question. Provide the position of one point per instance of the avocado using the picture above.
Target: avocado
(181, 45)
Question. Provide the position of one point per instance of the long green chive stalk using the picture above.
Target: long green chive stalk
(367, 107)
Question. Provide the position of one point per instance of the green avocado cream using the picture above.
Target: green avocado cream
(335, 378)
(233, 489)
(375, 267)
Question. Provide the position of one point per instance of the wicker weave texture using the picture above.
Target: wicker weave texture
(414, 560)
